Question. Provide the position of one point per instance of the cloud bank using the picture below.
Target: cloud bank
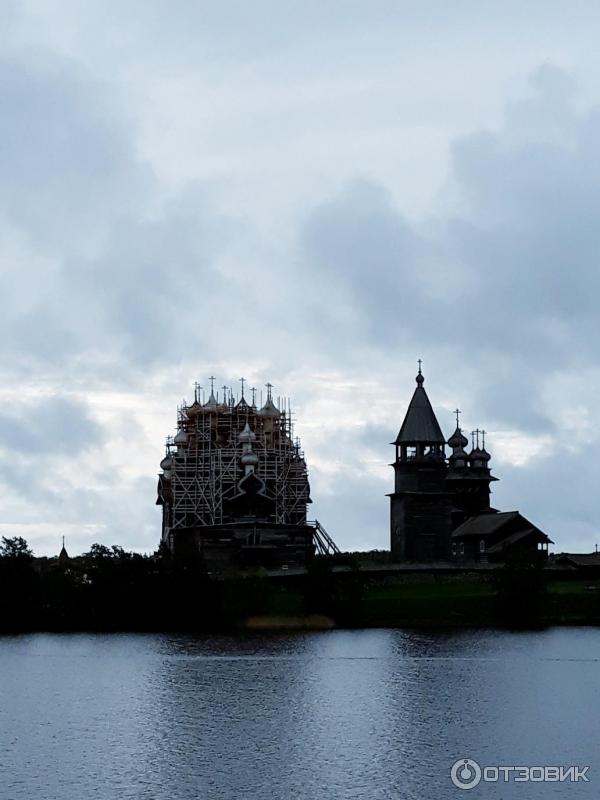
(292, 197)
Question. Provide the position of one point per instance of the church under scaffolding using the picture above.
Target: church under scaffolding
(234, 483)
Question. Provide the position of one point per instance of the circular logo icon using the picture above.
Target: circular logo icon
(465, 773)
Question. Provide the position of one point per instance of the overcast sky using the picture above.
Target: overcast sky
(311, 193)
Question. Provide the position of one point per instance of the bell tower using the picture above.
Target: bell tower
(420, 506)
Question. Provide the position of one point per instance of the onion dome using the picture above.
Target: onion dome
(180, 438)
(166, 463)
(249, 459)
(476, 457)
(247, 435)
(485, 456)
(458, 440)
(211, 404)
(270, 409)
(223, 405)
(194, 409)
(458, 457)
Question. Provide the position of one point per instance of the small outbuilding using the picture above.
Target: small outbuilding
(587, 564)
(495, 536)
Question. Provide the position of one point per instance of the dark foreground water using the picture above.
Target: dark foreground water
(367, 714)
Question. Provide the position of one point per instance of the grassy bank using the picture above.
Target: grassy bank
(445, 601)
(429, 600)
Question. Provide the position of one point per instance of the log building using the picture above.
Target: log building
(440, 508)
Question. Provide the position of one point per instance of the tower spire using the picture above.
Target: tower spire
(63, 556)
(420, 426)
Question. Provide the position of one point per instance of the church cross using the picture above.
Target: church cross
(253, 390)
(483, 439)
(457, 411)
(196, 387)
(242, 381)
(420, 362)
(212, 383)
(269, 387)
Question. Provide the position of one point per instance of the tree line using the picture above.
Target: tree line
(111, 589)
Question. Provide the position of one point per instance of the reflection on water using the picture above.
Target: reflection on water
(342, 714)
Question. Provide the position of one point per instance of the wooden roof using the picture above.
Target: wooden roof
(488, 524)
(420, 425)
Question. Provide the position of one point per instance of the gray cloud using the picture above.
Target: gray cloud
(113, 259)
(518, 291)
(68, 165)
(370, 254)
(41, 442)
(56, 425)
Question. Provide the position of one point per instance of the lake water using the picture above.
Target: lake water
(342, 714)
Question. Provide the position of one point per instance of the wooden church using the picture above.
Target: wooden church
(440, 507)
